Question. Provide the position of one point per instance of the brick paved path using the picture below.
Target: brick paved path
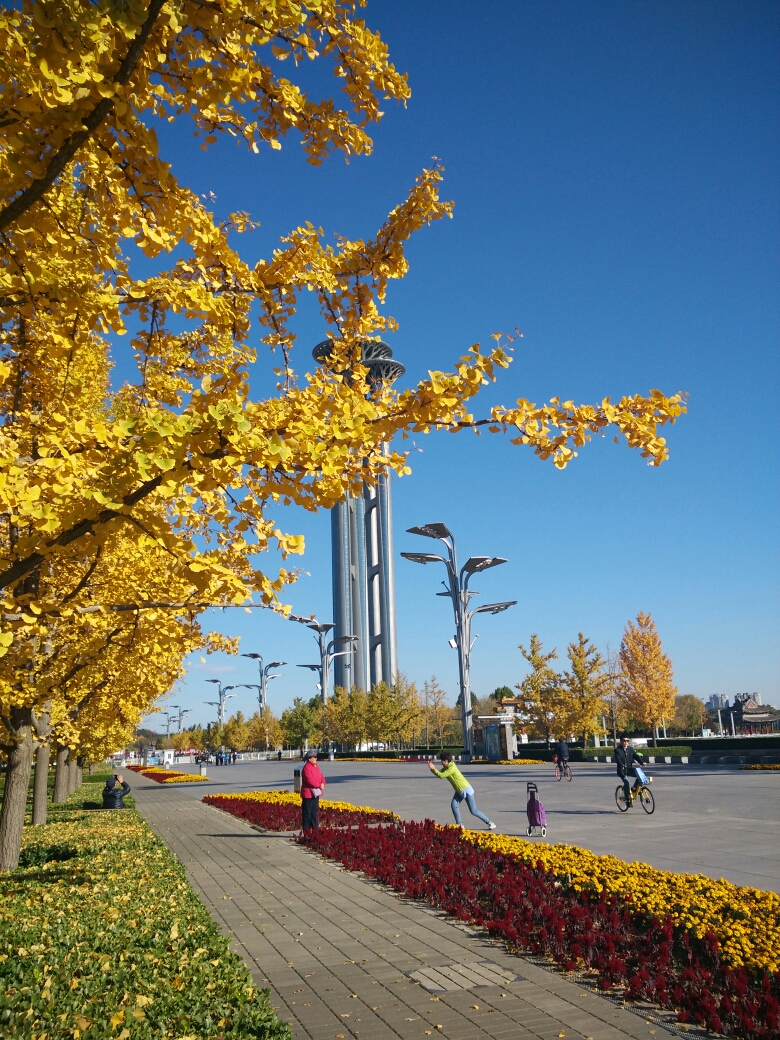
(337, 950)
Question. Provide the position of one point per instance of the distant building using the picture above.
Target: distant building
(751, 717)
(718, 700)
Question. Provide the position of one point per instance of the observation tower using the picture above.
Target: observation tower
(362, 557)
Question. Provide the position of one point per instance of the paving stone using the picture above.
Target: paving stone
(359, 938)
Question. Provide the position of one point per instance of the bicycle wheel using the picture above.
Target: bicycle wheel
(620, 798)
(647, 800)
(567, 772)
(557, 773)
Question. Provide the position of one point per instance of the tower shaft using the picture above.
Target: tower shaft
(362, 551)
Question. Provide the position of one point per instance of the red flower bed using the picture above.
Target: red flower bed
(286, 816)
(530, 909)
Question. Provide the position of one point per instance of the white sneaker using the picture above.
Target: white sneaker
(491, 826)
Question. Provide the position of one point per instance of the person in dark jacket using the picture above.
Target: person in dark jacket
(562, 751)
(625, 756)
(114, 792)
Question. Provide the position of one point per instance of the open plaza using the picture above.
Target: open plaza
(714, 820)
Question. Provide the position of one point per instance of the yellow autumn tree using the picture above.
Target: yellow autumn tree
(265, 731)
(437, 712)
(544, 711)
(344, 717)
(647, 687)
(583, 687)
(82, 679)
(237, 735)
(182, 460)
(390, 710)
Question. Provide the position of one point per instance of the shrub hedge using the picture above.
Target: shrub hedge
(647, 752)
(101, 936)
(723, 745)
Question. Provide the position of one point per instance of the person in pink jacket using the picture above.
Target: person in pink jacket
(312, 785)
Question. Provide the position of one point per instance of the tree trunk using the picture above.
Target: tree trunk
(72, 767)
(91, 768)
(655, 736)
(60, 795)
(42, 726)
(79, 772)
(17, 783)
(41, 784)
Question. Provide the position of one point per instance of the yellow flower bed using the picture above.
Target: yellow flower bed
(746, 921)
(170, 775)
(509, 762)
(183, 778)
(763, 765)
(290, 798)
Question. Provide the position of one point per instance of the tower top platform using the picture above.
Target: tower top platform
(374, 354)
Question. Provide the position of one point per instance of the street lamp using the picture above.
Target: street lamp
(265, 677)
(180, 716)
(168, 716)
(223, 697)
(328, 652)
(457, 588)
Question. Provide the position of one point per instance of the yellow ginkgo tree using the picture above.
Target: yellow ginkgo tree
(183, 460)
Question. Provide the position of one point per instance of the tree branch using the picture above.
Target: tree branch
(87, 576)
(71, 144)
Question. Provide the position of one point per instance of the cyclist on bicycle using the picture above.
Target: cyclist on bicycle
(625, 756)
(562, 753)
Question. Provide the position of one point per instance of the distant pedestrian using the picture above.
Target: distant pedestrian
(312, 786)
(463, 790)
(235, 758)
(114, 792)
(279, 755)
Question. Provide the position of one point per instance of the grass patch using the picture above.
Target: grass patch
(101, 936)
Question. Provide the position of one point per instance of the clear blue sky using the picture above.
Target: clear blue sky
(615, 174)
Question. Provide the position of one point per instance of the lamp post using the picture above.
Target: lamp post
(457, 589)
(168, 716)
(265, 678)
(328, 653)
(180, 716)
(223, 697)
(263, 714)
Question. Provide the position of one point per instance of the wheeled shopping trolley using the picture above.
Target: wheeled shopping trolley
(537, 817)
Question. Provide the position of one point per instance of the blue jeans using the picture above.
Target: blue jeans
(466, 794)
(627, 789)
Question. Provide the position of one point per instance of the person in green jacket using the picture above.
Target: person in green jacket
(463, 789)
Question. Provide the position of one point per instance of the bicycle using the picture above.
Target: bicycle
(639, 790)
(563, 770)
